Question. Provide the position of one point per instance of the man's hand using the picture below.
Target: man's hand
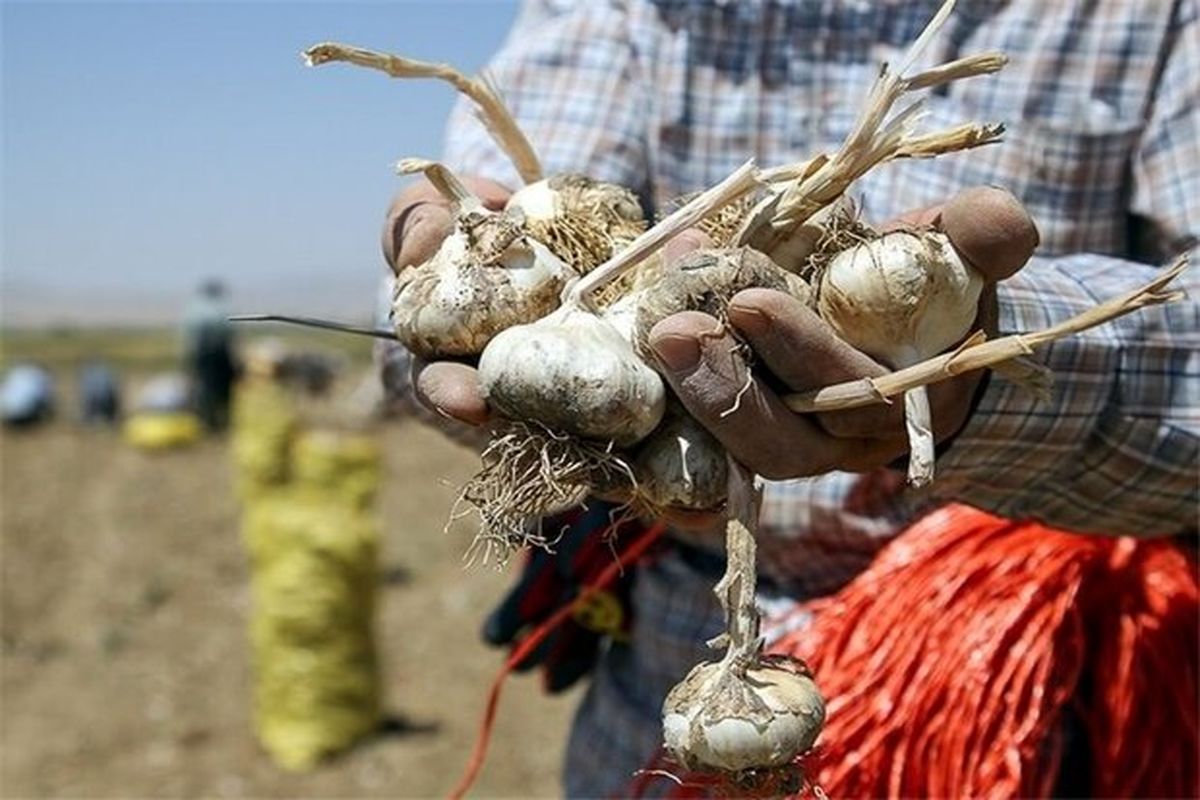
(417, 223)
(744, 411)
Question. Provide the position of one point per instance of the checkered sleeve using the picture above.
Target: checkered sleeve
(1166, 162)
(1115, 450)
(1117, 447)
(569, 73)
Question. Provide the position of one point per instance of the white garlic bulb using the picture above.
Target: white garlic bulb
(574, 373)
(716, 719)
(453, 304)
(902, 298)
(488, 275)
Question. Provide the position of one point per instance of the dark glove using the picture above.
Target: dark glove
(550, 581)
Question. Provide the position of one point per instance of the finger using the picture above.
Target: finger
(991, 229)
(949, 403)
(927, 217)
(493, 195)
(416, 234)
(797, 345)
(701, 362)
(698, 522)
(419, 203)
(687, 241)
(452, 390)
(800, 348)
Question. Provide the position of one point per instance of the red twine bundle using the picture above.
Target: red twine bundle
(949, 664)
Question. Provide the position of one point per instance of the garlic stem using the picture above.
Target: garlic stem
(736, 589)
(966, 67)
(871, 142)
(490, 106)
(950, 140)
(918, 422)
(978, 354)
(743, 180)
(446, 182)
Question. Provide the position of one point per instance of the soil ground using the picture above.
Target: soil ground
(124, 644)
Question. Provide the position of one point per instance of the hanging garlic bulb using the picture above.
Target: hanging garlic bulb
(902, 298)
(489, 274)
(748, 711)
(574, 373)
(715, 719)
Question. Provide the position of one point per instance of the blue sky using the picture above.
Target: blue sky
(147, 145)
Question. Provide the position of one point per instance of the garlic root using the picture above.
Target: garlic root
(583, 221)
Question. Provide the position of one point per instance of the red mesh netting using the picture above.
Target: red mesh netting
(948, 664)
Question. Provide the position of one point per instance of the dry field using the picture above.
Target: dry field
(124, 650)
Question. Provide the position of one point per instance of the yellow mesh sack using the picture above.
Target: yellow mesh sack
(313, 547)
(263, 426)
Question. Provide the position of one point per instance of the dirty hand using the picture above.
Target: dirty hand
(987, 226)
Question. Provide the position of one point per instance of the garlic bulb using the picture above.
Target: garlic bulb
(822, 230)
(681, 466)
(453, 304)
(574, 373)
(902, 298)
(488, 275)
(716, 719)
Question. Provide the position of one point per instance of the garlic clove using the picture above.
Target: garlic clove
(681, 466)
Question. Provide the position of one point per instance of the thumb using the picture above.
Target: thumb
(991, 229)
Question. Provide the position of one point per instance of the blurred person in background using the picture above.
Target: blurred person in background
(209, 355)
(1102, 107)
(99, 394)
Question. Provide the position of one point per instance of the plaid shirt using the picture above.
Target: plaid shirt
(1102, 105)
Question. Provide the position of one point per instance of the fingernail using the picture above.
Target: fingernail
(749, 320)
(677, 352)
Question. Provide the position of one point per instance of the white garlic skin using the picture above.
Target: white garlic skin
(537, 200)
(682, 466)
(704, 731)
(622, 314)
(574, 373)
(792, 250)
(902, 297)
(453, 306)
